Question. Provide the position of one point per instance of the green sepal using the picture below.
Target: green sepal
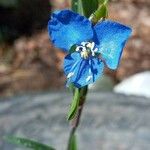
(27, 143)
(73, 143)
(72, 49)
(74, 105)
(89, 6)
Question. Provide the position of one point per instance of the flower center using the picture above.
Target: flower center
(87, 49)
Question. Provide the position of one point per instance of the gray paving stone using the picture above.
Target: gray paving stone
(109, 122)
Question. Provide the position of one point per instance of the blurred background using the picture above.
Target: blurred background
(29, 62)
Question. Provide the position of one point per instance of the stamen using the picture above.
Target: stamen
(93, 53)
(84, 54)
(84, 43)
(92, 45)
(80, 48)
(87, 49)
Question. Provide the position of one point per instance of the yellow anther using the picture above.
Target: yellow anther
(89, 45)
(84, 54)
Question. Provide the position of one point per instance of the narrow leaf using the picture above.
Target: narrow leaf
(89, 6)
(80, 7)
(103, 1)
(74, 5)
(100, 13)
(74, 105)
(27, 143)
(72, 88)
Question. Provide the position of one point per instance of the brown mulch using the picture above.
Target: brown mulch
(32, 63)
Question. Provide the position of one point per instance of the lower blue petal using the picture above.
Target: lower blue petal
(111, 38)
(67, 28)
(81, 71)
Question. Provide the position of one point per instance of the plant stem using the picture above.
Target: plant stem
(76, 120)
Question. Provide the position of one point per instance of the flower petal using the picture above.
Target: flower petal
(81, 71)
(111, 38)
(67, 28)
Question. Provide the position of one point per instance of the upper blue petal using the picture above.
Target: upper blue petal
(67, 28)
(81, 71)
(111, 38)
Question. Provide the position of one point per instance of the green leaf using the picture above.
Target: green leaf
(72, 88)
(73, 143)
(100, 13)
(80, 7)
(27, 143)
(76, 6)
(8, 3)
(103, 1)
(74, 105)
(89, 6)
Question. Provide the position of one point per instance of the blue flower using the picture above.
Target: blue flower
(95, 45)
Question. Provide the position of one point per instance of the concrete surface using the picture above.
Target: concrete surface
(110, 121)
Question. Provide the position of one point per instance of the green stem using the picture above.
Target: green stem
(76, 120)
